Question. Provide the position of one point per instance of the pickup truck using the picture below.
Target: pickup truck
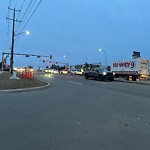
(99, 74)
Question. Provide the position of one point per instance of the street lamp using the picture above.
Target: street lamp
(101, 50)
(68, 61)
(26, 32)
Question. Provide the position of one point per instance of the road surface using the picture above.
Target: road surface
(76, 114)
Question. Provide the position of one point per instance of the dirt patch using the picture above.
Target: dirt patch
(7, 83)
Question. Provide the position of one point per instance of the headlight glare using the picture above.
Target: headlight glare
(104, 73)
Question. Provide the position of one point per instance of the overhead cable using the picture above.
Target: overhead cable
(25, 14)
(16, 3)
(8, 26)
(31, 15)
(27, 9)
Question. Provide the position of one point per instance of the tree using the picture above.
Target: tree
(62, 67)
(53, 66)
(86, 66)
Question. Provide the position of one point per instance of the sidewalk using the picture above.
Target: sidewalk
(1, 72)
(145, 82)
(8, 84)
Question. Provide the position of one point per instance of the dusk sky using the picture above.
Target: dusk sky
(77, 29)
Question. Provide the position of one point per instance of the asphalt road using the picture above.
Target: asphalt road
(76, 114)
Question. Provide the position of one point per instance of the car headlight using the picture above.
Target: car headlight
(113, 73)
(46, 70)
(104, 73)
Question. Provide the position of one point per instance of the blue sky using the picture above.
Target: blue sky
(78, 29)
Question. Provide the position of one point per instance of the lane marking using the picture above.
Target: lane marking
(75, 82)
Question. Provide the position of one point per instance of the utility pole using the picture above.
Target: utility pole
(2, 61)
(13, 36)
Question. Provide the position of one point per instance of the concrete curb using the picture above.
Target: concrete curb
(27, 89)
(134, 82)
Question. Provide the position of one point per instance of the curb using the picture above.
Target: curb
(27, 89)
(134, 82)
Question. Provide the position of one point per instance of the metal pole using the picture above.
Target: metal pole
(2, 61)
(105, 58)
(12, 47)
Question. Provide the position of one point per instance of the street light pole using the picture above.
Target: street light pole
(26, 32)
(101, 50)
(67, 63)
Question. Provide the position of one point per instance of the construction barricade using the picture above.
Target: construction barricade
(28, 74)
(31, 74)
(24, 74)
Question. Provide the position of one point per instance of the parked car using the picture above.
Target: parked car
(99, 74)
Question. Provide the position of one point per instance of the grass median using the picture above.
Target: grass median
(6, 83)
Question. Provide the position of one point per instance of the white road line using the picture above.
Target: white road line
(75, 82)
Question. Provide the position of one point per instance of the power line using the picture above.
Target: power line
(26, 13)
(8, 26)
(9, 3)
(30, 9)
(21, 9)
(31, 15)
(31, 5)
(20, 13)
(16, 3)
(27, 9)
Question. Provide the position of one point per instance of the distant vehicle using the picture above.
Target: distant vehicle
(64, 71)
(51, 71)
(56, 72)
(73, 72)
(76, 72)
(79, 72)
(99, 74)
(6, 68)
(133, 69)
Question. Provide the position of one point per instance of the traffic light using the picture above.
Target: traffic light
(38, 56)
(50, 56)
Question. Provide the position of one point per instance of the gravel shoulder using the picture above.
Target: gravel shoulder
(6, 83)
